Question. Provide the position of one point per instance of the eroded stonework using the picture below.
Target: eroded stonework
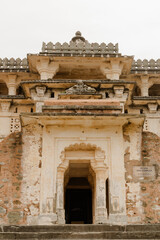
(79, 136)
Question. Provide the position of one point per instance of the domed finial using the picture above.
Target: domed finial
(78, 37)
(78, 33)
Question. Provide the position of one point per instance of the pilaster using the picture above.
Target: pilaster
(100, 211)
(144, 85)
(12, 84)
(60, 197)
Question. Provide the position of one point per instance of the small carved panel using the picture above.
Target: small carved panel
(15, 125)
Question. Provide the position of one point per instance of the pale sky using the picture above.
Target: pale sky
(134, 24)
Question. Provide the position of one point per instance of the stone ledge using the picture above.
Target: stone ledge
(77, 107)
(12, 97)
(81, 102)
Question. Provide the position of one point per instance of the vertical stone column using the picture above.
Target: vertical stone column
(60, 197)
(12, 84)
(46, 68)
(113, 70)
(144, 85)
(116, 70)
(100, 211)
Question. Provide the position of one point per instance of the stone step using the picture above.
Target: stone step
(84, 235)
(80, 228)
(79, 232)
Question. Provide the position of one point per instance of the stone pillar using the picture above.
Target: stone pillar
(144, 86)
(47, 69)
(12, 84)
(113, 70)
(100, 211)
(60, 197)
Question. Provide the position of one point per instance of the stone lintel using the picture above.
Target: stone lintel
(58, 119)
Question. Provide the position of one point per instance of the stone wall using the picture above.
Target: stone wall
(142, 196)
(11, 209)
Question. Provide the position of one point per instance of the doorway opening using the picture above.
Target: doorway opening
(79, 194)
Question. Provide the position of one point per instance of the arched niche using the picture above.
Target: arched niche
(82, 154)
(154, 90)
(137, 91)
(19, 91)
(3, 88)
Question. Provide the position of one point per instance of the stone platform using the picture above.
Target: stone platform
(81, 232)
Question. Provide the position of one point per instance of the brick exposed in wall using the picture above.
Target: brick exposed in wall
(11, 179)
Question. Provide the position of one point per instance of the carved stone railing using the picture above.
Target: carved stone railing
(80, 48)
(145, 65)
(14, 64)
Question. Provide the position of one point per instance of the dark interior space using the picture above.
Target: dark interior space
(78, 201)
(78, 207)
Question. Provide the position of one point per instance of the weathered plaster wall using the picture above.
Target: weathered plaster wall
(142, 197)
(11, 205)
(150, 192)
(132, 157)
(31, 167)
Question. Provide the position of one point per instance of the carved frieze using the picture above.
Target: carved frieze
(80, 88)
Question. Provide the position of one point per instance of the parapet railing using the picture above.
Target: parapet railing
(14, 64)
(145, 65)
(79, 48)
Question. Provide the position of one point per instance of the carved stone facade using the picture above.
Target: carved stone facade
(80, 136)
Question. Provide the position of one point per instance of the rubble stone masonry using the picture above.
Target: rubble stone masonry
(142, 197)
(11, 209)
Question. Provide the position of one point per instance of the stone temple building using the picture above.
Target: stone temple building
(79, 136)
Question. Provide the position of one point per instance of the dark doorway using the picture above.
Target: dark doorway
(78, 206)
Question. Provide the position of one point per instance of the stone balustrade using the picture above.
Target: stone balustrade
(79, 48)
(145, 65)
(14, 64)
